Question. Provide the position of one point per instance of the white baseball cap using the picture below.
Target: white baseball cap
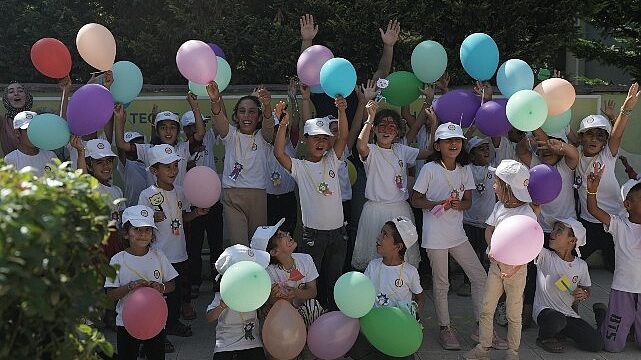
(407, 230)
(138, 216)
(595, 121)
(98, 149)
(166, 115)
(475, 141)
(262, 235)
(237, 253)
(625, 189)
(517, 176)
(131, 135)
(317, 126)
(187, 119)
(22, 119)
(164, 154)
(448, 131)
(577, 229)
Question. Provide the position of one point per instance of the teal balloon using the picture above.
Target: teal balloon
(198, 89)
(557, 123)
(526, 110)
(429, 61)
(354, 294)
(338, 77)
(48, 131)
(403, 89)
(514, 75)
(223, 74)
(392, 331)
(127, 82)
(245, 286)
(480, 56)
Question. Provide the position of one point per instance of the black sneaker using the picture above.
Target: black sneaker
(600, 311)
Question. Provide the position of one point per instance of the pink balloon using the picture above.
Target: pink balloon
(202, 186)
(310, 62)
(558, 93)
(332, 335)
(517, 240)
(144, 313)
(197, 62)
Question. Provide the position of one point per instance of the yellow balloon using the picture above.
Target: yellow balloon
(96, 46)
(351, 171)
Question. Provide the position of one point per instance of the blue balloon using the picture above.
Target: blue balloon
(514, 75)
(479, 56)
(127, 82)
(338, 77)
(48, 131)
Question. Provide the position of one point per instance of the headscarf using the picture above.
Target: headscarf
(13, 111)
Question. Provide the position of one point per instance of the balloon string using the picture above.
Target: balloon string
(62, 101)
(482, 95)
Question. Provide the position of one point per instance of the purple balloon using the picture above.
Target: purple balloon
(457, 106)
(491, 119)
(310, 62)
(545, 183)
(217, 50)
(90, 108)
(332, 335)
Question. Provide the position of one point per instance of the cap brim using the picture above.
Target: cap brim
(319, 132)
(522, 194)
(101, 155)
(445, 137)
(141, 223)
(604, 127)
(166, 160)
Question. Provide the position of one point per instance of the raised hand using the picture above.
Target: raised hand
(390, 35)
(554, 145)
(340, 103)
(264, 96)
(119, 111)
(371, 108)
(281, 114)
(428, 91)
(369, 91)
(484, 89)
(607, 108)
(431, 118)
(213, 92)
(307, 28)
(443, 82)
(108, 79)
(594, 178)
(305, 91)
(65, 84)
(192, 99)
(632, 98)
(76, 143)
(291, 89)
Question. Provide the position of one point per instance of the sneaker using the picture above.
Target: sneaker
(448, 339)
(465, 290)
(511, 355)
(600, 311)
(499, 315)
(195, 290)
(477, 353)
(179, 329)
(498, 343)
(187, 311)
(526, 316)
(169, 347)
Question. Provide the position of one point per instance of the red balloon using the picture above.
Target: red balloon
(51, 57)
(144, 313)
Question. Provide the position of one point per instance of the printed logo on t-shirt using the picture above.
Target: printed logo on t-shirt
(250, 252)
(156, 200)
(332, 174)
(526, 182)
(400, 163)
(489, 175)
(180, 204)
(157, 274)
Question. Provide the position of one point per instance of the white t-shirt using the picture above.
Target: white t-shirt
(500, 213)
(245, 160)
(41, 162)
(279, 181)
(506, 150)
(113, 193)
(550, 269)
(343, 176)
(235, 330)
(438, 183)
(304, 272)
(182, 150)
(387, 278)
(483, 197)
(172, 203)
(608, 195)
(386, 170)
(563, 206)
(205, 157)
(135, 178)
(153, 266)
(627, 254)
(320, 211)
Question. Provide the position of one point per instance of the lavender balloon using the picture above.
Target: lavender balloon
(457, 106)
(332, 335)
(545, 183)
(310, 62)
(217, 50)
(491, 119)
(90, 108)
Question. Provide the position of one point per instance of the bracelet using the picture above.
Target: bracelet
(163, 287)
(369, 123)
(216, 101)
(591, 193)
(625, 111)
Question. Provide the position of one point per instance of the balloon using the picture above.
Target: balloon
(526, 110)
(127, 82)
(202, 186)
(197, 62)
(144, 313)
(96, 46)
(310, 62)
(554, 124)
(429, 61)
(479, 56)
(517, 240)
(457, 106)
(392, 331)
(332, 335)
(48, 131)
(217, 50)
(198, 89)
(51, 57)
(545, 183)
(403, 89)
(354, 294)
(558, 93)
(338, 77)
(284, 331)
(90, 108)
(223, 77)
(491, 119)
(245, 286)
(351, 172)
(514, 75)
(316, 89)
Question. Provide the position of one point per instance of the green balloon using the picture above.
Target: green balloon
(354, 294)
(198, 89)
(403, 89)
(392, 331)
(526, 110)
(429, 61)
(245, 286)
(554, 124)
(223, 77)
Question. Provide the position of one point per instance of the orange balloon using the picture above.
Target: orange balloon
(51, 57)
(284, 332)
(558, 93)
(97, 46)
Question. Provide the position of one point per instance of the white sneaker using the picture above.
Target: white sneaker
(499, 315)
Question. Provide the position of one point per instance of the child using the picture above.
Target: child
(443, 190)
(596, 132)
(562, 279)
(132, 171)
(319, 192)
(237, 334)
(510, 184)
(27, 154)
(386, 166)
(139, 266)
(624, 309)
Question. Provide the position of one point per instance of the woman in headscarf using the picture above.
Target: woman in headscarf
(15, 99)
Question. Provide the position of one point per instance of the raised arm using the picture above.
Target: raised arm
(305, 94)
(307, 31)
(268, 119)
(65, 85)
(281, 137)
(365, 94)
(293, 101)
(424, 153)
(343, 130)
(119, 122)
(199, 134)
(363, 137)
(389, 38)
(219, 117)
(523, 151)
(76, 143)
(622, 120)
(594, 178)
(568, 151)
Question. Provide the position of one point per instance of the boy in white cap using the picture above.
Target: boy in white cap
(600, 147)
(27, 155)
(132, 171)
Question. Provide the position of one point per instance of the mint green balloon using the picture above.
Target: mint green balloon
(245, 286)
(526, 110)
(554, 124)
(48, 132)
(198, 89)
(127, 82)
(392, 331)
(403, 89)
(223, 77)
(429, 61)
(354, 294)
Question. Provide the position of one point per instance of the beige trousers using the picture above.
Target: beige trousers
(244, 211)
